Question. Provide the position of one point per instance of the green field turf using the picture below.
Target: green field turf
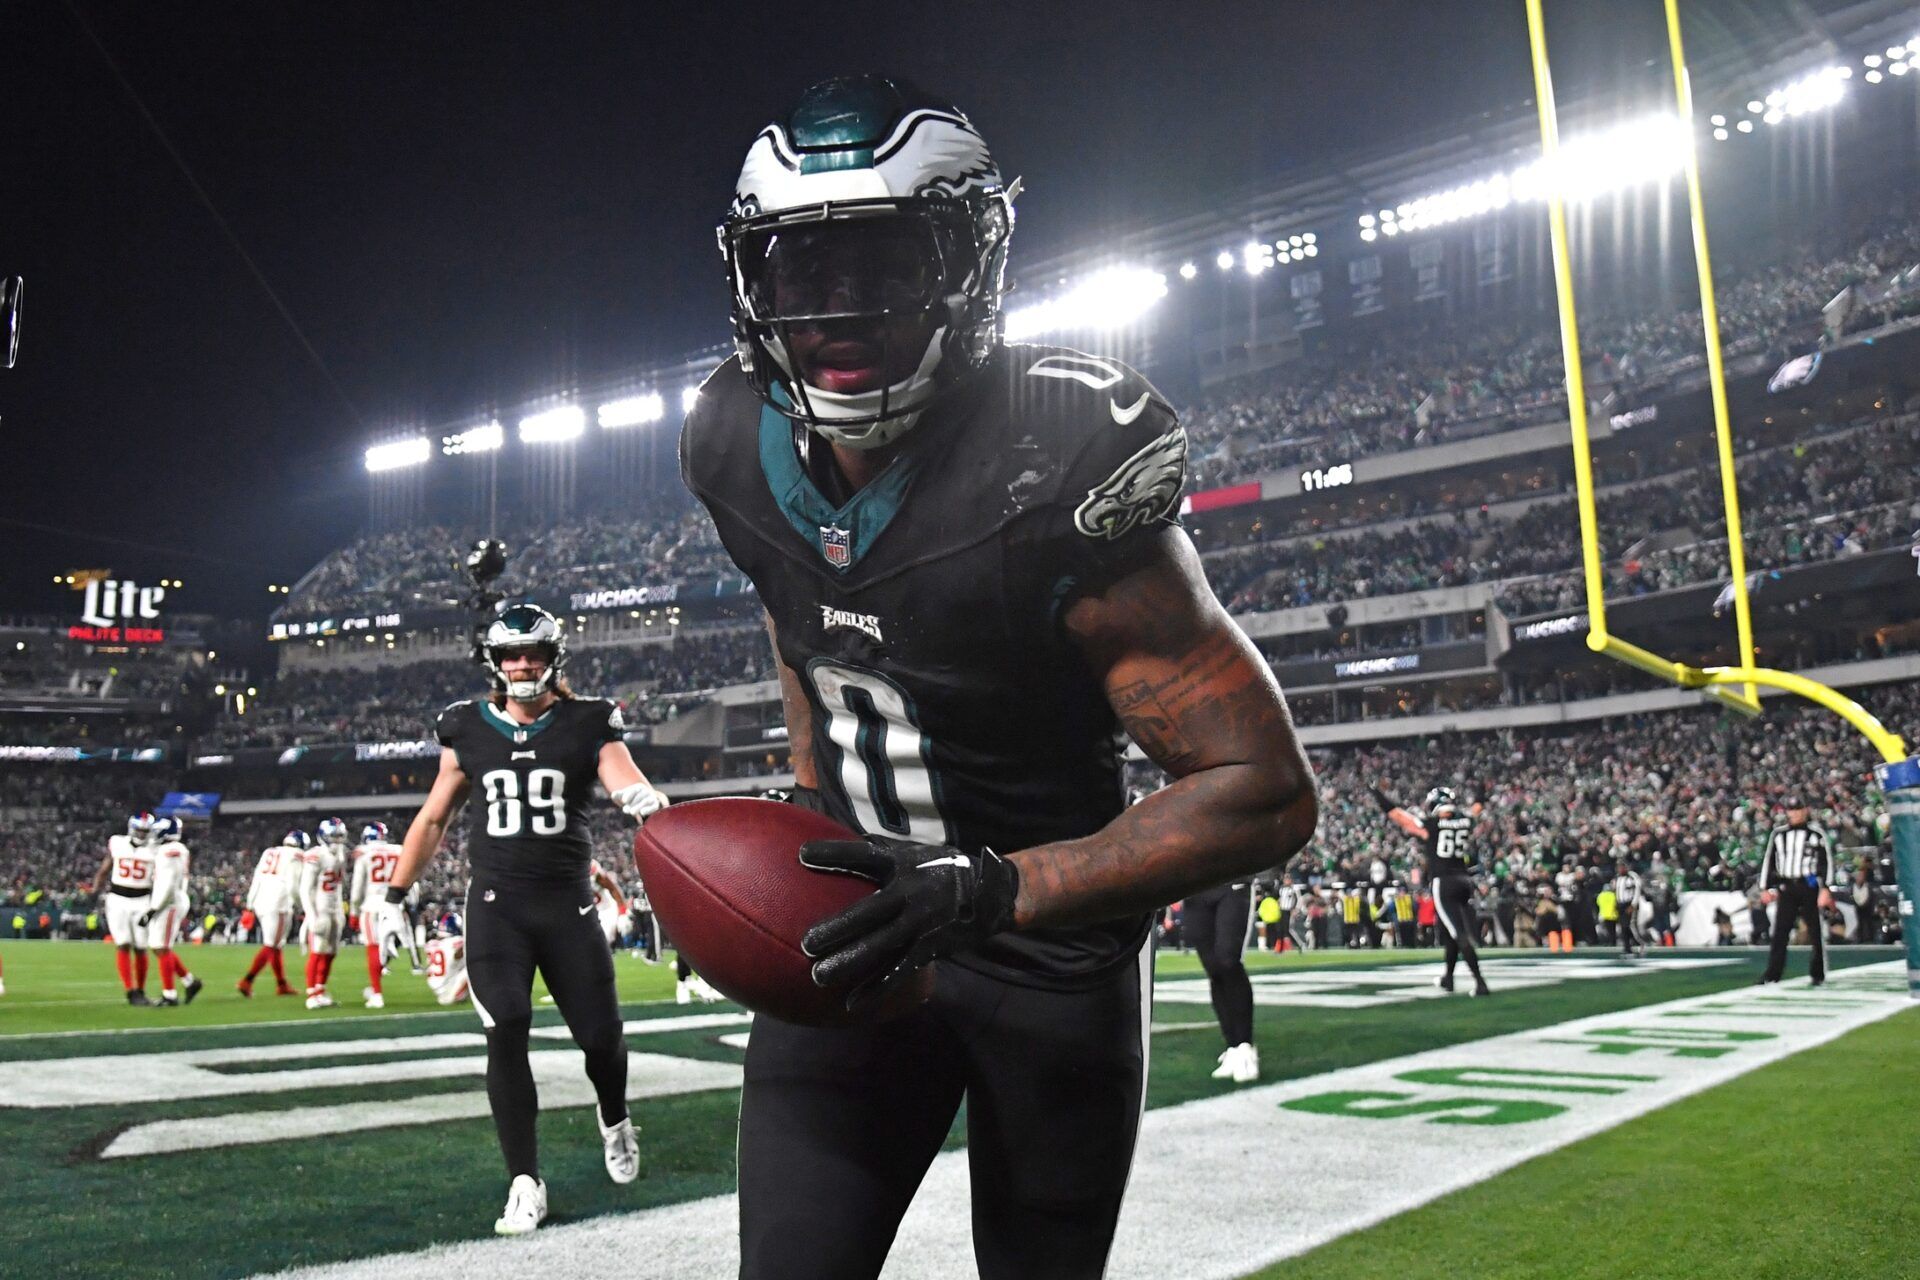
(1803, 1168)
(237, 1210)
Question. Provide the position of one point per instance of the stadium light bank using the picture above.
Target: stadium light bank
(481, 439)
(632, 411)
(395, 454)
(1108, 299)
(562, 422)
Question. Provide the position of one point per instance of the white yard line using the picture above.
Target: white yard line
(1489, 1105)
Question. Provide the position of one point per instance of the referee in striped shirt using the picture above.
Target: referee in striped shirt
(1798, 865)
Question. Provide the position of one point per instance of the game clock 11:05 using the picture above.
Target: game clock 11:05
(1327, 477)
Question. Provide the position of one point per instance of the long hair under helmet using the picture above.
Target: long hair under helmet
(885, 159)
(524, 626)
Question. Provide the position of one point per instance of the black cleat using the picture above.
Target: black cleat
(169, 1002)
(193, 986)
(138, 997)
(1480, 987)
(1445, 982)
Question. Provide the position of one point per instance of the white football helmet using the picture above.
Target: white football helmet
(333, 831)
(524, 626)
(905, 179)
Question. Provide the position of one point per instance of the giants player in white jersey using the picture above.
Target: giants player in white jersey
(447, 968)
(323, 884)
(270, 904)
(127, 877)
(384, 926)
(168, 910)
(609, 902)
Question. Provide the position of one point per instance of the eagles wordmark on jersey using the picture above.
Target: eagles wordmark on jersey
(922, 614)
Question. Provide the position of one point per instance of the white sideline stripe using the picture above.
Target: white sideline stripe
(330, 1020)
(196, 1073)
(1179, 1206)
(561, 1077)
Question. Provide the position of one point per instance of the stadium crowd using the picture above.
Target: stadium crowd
(1412, 388)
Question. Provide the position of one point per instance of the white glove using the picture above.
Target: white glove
(639, 801)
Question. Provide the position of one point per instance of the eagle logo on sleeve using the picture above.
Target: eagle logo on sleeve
(1146, 487)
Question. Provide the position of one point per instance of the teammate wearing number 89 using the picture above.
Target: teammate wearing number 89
(534, 750)
(973, 571)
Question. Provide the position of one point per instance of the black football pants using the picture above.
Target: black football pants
(512, 930)
(1453, 904)
(1798, 901)
(1216, 922)
(837, 1128)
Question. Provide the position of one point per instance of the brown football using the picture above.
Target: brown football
(728, 890)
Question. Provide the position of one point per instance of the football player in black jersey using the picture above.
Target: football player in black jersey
(976, 585)
(1447, 830)
(534, 749)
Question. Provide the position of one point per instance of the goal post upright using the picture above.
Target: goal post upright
(1736, 686)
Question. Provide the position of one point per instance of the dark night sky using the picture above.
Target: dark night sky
(457, 203)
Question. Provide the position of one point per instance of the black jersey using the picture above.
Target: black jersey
(532, 784)
(923, 613)
(1449, 844)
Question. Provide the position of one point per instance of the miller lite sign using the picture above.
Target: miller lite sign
(115, 611)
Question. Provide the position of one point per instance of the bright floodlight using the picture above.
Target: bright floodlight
(1756, 106)
(1874, 77)
(1720, 135)
(1310, 238)
(632, 411)
(688, 399)
(395, 454)
(1256, 257)
(1107, 299)
(1898, 68)
(1366, 220)
(481, 439)
(1871, 60)
(1188, 271)
(1312, 251)
(1224, 261)
(1815, 91)
(562, 422)
(1717, 120)
(1368, 234)
(1745, 126)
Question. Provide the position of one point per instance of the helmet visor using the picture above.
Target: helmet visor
(879, 264)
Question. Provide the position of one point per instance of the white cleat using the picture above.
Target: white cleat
(374, 1000)
(526, 1207)
(622, 1149)
(320, 1000)
(682, 992)
(704, 990)
(1240, 1063)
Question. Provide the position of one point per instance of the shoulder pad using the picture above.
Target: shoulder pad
(1116, 445)
(447, 723)
(721, 431)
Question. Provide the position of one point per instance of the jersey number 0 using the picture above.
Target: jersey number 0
(884, 765)
(545, 800)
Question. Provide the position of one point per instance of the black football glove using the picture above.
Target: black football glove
(933, 900)
(146, 917)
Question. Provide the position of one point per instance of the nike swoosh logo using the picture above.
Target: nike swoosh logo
(955, 861)
(1126, 416)
(586, 908)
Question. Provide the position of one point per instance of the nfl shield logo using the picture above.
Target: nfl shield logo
(836, 544)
